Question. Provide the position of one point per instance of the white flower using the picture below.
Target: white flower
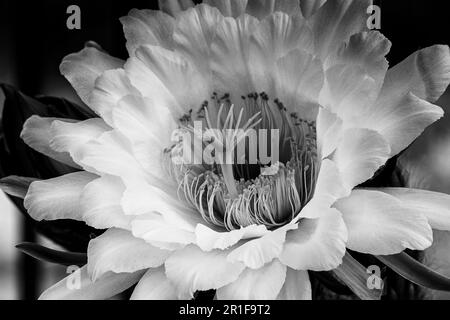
(175, 229)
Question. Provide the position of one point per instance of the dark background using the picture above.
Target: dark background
(34, 39)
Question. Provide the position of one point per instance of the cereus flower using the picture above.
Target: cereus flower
(310, 71)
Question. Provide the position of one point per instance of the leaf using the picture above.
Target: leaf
(416, 272)
(355, 276)
(53, 256)
(16, 186)
(328, 280)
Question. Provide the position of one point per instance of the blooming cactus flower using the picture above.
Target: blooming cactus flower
(311, 70)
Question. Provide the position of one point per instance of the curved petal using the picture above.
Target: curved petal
(254, 254)
(310, 7)
(317, 244)
(150, 128)
(425, 74)
(37, 134)
(148, 27)
(262, 8)
(174, 7)
(110, 154)
(67, 137)
(157, 231)
(296, 287)
(208, 239)
(379, 224)
(154, 285)
(57, 198)
(150, 86)
(336, 21)
(261, 284)
(329, 132)
(100, 204)
(119, 252)
(229, 55)
(401, 121)
(191, 270)
(229, 8)
(367, 50)
(194, 32)
(299, 78)
(349, 91)
(359, 155)
(177, 74)
(434, 205)
(79, 286)
(109, 89)
(277, 35)
(83, 68)
(329, 188)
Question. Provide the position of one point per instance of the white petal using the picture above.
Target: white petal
(359, 155)
(150, 86)
(140, 199)
(208, 239)
(100, 204)
(296, 287)
(277, 35)
(119, 252)
(401, 121)
(157, 231)
(349, 92)
(229, 52)
(256, 253)
(37, 134)
(261, 284)
(262, 8)
(299, 79)
(329, 132)
(310, 7)
(317, 244)
(229, 8)
(177, 74)
(57, 198)
(83, 68)
(434, 205)
(109, 89)
(68, 137)
(329, 188)
(336, 21)
(154, 285)
(152, 27)
(194, 33)
(426, 74)
(150, 128)
(105, 288)
(367, 50)
(109, 154)
(174, 7)
(192, 270)
(380, 224)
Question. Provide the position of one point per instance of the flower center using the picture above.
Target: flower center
(221, 162)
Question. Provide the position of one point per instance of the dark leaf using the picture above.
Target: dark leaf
(53, 256)
(416, 272)
(16, 186)
(355, 276)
